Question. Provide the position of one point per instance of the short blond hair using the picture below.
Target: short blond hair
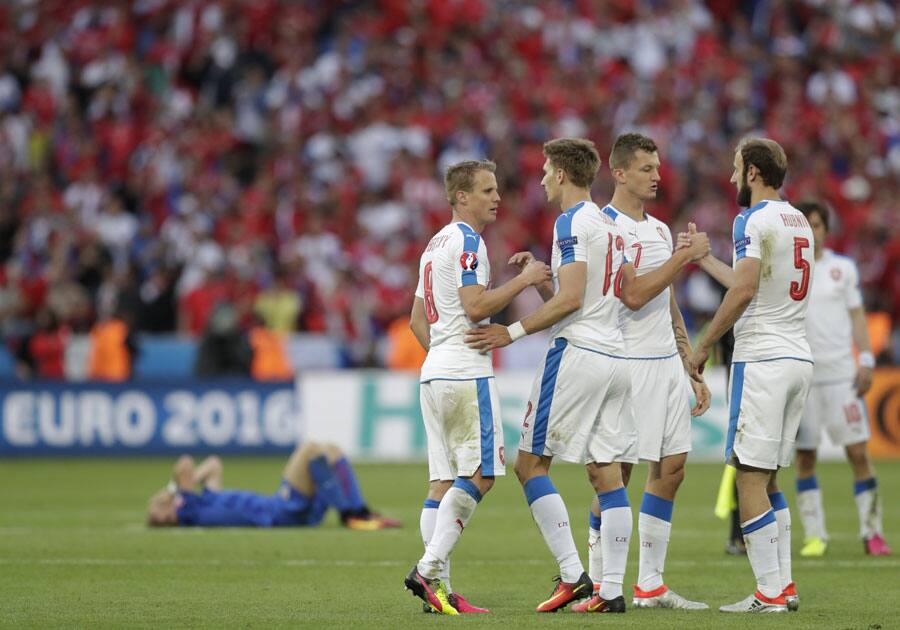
(461, 176)
(578, 157)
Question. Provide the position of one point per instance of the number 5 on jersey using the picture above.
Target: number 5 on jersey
(798, 290)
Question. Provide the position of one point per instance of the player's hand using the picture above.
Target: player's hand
(520, 259)
(699, 246)
(863, 380)
(536, 273)
(697, 362)
(486, 338)
(703, 396)
(683, 241)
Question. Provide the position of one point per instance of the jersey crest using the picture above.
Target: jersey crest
(468, 261)
(835, 274)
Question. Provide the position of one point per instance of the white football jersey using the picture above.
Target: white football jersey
(835, 290)
(455, 257)
(648, 245)
(774, 324)
(584, 233)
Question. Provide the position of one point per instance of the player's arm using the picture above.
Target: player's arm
(860, 330)
(719, 271)
(183, 474)
(545, 289)
(419, 324)
(480, 303)
(572, 282)
(715, 268)
(638, 290)
(683, 344)
(209, 473)
(735, 302)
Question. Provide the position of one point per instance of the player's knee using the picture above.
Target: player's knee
(806, 461)
(626, 473)
(485, 484)
(332, 452)
(674, 478)
(524, 470)
(312, 449)
(857, 455)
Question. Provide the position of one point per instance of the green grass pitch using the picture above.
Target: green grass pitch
(74, 553)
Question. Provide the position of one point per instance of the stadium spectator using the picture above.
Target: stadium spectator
(113, 348)
(270, 361)
(316, 478)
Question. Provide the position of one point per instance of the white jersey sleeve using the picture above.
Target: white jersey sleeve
(774, 324)
(852, 293)
(473, 265)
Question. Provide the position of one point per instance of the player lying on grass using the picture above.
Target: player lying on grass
(316, 477)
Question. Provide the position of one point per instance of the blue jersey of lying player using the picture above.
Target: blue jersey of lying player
(317, 477)
(241, 508)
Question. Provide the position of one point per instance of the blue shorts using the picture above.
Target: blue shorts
(292, 508)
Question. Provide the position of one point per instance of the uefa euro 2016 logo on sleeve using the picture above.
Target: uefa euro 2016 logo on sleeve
(469, 261)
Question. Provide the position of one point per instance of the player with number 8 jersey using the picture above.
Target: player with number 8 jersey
(460, 405)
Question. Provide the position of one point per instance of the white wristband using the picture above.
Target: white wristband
(866, 360)
(516, 331)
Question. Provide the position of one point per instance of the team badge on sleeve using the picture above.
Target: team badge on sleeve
(468, 261)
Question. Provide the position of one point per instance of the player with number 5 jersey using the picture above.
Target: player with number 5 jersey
(771, 373)
(460, 405)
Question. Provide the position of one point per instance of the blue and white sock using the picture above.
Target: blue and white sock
(783, 518)
(328, 485)
(615, 534)
(868, 506)
(654, 529)
(453, 514)
(427, 521)
(552, 519)
(595, 555)
(347, 478)
(812, 511)
(761, 536)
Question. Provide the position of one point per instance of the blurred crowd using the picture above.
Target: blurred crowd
(159, 157)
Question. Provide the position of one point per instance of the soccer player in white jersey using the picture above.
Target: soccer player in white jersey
(836, 320)
(579, 409)
(459, 400)
(771, 372)
(658, 348)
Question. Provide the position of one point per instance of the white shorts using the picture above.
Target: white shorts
(580, 409)
(464, 428)
(766, 400)
(660, 395)
(837, 408)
